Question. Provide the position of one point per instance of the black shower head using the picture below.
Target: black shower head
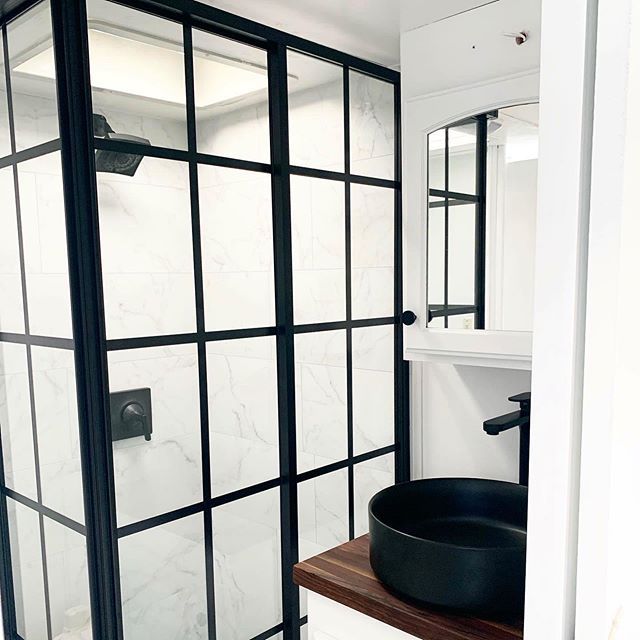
(116, 161)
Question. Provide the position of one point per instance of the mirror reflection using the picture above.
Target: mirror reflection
(481, 216)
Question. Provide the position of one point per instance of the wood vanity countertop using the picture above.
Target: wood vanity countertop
(344, 575)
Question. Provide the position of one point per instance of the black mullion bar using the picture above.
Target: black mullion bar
(349, 311)
(401, 367)
(269, 633)
(453, 195)
(446, 226)
(45, 511)
(438, 311)
(192, 144)
(37, 341)
(343, 464)
(343, 324)
(25, 308)
(312, 172)
(438, 204)
(31, 153)
(71, 48)
(481, 221)
(283, 270)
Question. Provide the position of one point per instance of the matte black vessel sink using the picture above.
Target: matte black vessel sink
(452, 542)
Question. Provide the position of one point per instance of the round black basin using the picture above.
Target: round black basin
(452, 542)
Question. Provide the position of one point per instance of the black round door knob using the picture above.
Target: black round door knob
(408, 317)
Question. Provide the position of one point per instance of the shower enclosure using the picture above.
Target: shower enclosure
(201, 372)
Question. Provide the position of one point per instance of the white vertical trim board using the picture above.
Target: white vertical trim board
(566, 103)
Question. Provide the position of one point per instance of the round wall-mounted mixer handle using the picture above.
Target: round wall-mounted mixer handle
(408, 317)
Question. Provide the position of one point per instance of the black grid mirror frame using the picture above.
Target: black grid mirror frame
(90, 345)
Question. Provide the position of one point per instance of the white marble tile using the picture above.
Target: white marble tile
(319, 295)
(246, 538)
(15, 418)
(367, 482)
(11, 306)
(372, 292)
(165, 473)
(28, 580)
(36, 118)
(67, 571)
(9, 250)
(373, 348)
(5, 143)
(372, 226)
(321, 347)
(373, 410)
(163, 582)
(62, 488)
(372, 124)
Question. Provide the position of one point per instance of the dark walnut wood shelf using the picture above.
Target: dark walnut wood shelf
(344, 574)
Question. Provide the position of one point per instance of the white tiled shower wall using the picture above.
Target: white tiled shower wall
(148, 279)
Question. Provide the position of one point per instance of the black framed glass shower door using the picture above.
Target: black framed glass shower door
(232, 217)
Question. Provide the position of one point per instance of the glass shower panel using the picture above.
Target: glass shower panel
(373, 389)
(321, 398)
(11, 304)
(316, 112)
(68, 579)
(33, 77)
(147, 250)
(54, 396)
(5, 141)
(372, 131)
(318, 247)
(45, 246)
(28, 574)
(237, 248)
(15, 419)
(246, 540)
(165, 473)
(137, 77)
(162, 577)
(231, 98)
(372, 251)
(243, 410)
(368, 479)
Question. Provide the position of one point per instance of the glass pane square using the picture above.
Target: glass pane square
(147, 250)
(372, 126)
(436, 143)
(316, 112)
(45, 246)
(435, 255)
(321, 398)
(368, 479)
(318, 247)
(373, 389)
(372, 251)
(54, 391)
(231, 97)
(165, 473)
(33, 77)
(11, 303)
(237, 248)
(462, 253)
(68, 579)
(243, 412)
(5, 140)
(162, 577)
(137, 76)
(462, 158)
(28, 576)
(246, 541)
(15, 420)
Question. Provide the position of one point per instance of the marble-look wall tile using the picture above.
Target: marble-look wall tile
(147, 251)
(373, 391)
(15, 420)
(5, 142)
(45, 246)
(67, 571)
(243, 411)
(246, 539)
(28, 576)
(54, 390)
(162, 574)
(367, 481)
(372, 126)
(321, 398)
(11, 308)
(165, 473)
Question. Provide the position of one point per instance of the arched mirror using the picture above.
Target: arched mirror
(481, 218)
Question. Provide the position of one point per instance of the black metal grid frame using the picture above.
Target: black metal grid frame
(448, 198)
(90, 345)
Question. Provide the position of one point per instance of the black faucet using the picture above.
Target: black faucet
(521, 418)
